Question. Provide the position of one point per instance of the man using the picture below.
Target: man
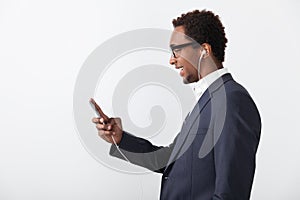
(213, 156)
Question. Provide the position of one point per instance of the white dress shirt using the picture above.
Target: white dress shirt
(200, 86)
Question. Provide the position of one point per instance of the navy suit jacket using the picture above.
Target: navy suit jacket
(213, 156)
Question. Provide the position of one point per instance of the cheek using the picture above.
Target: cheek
(190, 65)
(194, 60)
(191, 61)
(181, 61)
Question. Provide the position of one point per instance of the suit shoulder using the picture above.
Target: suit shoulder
(234, 88)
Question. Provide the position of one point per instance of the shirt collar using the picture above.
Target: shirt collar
(200, 86)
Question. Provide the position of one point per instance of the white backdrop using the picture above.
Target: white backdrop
(43, 45)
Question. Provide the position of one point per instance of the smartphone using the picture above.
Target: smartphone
(98, 110)
(100, 113)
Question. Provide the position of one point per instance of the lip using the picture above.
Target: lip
(181, 72)
(178, 67)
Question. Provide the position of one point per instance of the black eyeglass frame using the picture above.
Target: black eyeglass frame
(181, 46)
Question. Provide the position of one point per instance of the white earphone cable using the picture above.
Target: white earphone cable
(119, 149)
(199, 61)
(140, 179)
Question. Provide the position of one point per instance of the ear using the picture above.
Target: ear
(207, 48)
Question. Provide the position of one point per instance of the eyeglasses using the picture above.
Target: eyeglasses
(177, 48)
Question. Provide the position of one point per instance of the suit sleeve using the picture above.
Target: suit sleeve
(142, 152)
(235, 149)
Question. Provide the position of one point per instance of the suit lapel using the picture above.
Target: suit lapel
(190, 120)
(187, 124)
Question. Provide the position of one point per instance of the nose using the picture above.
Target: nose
(172, 60)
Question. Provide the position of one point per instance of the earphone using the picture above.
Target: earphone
(203, 52)
(199, 61)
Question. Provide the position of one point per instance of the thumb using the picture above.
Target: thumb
(118, 121)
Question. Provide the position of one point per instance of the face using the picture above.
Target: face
(186, 56)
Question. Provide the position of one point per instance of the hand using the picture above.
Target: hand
(108, 128)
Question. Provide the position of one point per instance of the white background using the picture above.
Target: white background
(42, 47)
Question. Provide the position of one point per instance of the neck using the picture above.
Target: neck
(209, 65)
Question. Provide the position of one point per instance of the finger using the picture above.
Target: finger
(100, 127)
(102, 120)
(106, 133)
(95, 119)
(118, 122)
(108, 127)
(111, 124)
(112, 121)
(104, 137)
(101, 133)
(104, 126)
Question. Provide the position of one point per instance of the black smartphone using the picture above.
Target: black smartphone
(98, 110)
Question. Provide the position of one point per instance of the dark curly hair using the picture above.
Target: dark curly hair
(204, 27)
